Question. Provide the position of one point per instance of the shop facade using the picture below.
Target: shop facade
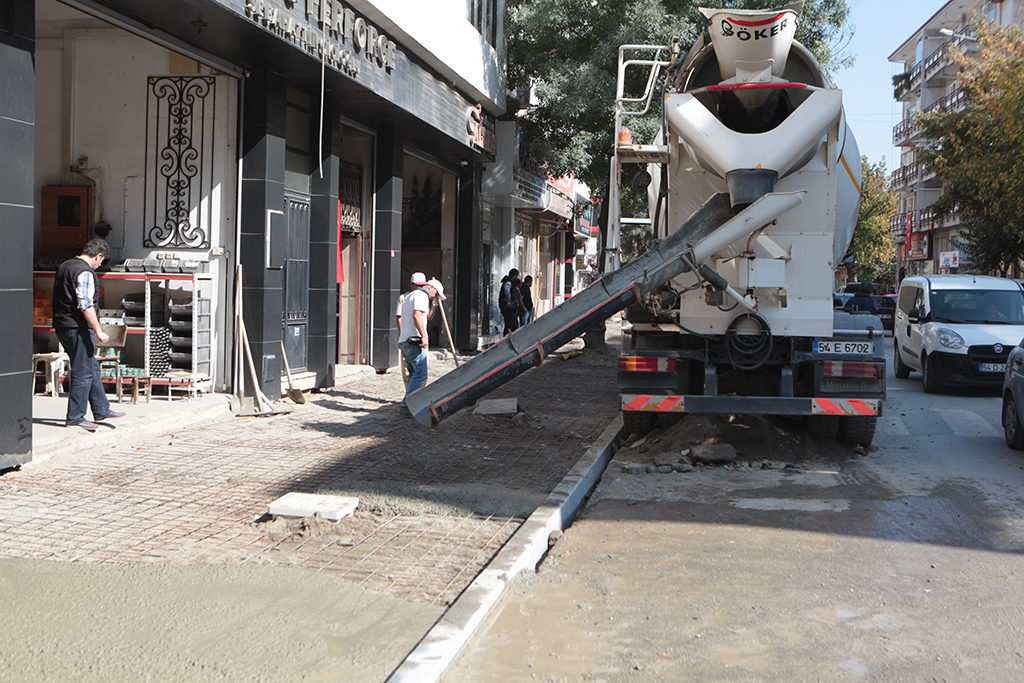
(298, 145)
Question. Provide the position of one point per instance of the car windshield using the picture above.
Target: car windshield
(968, 306)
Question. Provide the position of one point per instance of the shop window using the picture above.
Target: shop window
(179, 162)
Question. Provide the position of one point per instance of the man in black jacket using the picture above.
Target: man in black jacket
(75, 288)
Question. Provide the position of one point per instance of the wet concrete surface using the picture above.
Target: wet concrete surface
(151, 557)
(900, 564)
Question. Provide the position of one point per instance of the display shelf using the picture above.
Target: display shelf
(158, 290)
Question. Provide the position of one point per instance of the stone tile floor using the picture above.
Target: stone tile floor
(439, 503)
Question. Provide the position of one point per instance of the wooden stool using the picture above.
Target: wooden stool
(55, 365)
(141, 386)
(115, 363)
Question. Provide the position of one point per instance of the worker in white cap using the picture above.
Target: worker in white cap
(412, 337)
(417, 280)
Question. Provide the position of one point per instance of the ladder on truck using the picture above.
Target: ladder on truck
(626, 151)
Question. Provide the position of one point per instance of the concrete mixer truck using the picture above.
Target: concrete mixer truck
(754, 184)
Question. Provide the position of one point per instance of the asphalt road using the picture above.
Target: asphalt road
(903, 564)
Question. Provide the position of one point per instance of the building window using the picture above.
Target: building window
(483, 15)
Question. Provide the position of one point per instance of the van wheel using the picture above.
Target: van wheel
(928, 381)
(1012, 430)
(860, 431)
(639, 423)
(901, 370)
(821, 426)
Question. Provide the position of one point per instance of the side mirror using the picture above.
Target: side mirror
(914, 316)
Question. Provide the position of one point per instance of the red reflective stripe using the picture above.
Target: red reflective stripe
(669, 403)
(861, 407)
(828, 406)
(763, 22)
(757, 86)
(637, 403)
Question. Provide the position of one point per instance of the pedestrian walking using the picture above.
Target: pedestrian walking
(77, 324)
(527, 300)
(510, 302)
(412, 339)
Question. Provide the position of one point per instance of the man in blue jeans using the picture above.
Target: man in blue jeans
(78, 327)
(412, 337)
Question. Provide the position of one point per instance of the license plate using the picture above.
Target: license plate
(843, 347)
(992, 367)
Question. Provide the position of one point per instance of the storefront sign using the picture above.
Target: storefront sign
(528, 186)
(949, 259)
(329, 30)
(918, 247)
(585, 217)
(481, 130)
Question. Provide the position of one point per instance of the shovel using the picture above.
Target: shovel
(293, 393)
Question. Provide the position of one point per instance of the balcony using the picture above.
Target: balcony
(953, 102)
(898, 224)
(906, 132)
(905, 175)
(907, 83)
(939, 65)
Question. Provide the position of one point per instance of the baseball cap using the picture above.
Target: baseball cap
(433, 282)
(418, 279)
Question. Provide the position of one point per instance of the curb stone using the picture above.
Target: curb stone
(525, 550)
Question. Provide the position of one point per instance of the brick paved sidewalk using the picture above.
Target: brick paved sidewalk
(436, 505)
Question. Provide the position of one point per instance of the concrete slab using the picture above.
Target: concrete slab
(295, 504)
(497, 407)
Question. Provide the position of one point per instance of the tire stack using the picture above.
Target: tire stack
(159, 347)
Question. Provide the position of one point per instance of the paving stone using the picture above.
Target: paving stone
(497, 407)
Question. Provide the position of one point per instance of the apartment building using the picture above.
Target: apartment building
(928, 83)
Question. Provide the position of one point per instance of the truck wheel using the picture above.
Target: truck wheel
(899, 369)
(1012, 429)
(639, 423)
(821, 426)
(928, 381)
(859, 431)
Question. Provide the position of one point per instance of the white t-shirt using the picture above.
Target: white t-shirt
(416, 300)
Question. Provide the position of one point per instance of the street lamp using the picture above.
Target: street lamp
(947, 32)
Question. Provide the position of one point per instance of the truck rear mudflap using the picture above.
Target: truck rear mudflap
(753, 405)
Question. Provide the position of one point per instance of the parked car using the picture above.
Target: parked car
(839, 299)
(957, 330)
(886, 310)
(1013, 398)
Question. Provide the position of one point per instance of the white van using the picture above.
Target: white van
(957, 330)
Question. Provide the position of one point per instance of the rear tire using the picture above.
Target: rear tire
(639, 423)
(1012, 429)
(821, 426)
(899, 369)
(859, 431)
(928, 381)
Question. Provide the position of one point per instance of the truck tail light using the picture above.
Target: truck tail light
(647, 364)
(850, 369)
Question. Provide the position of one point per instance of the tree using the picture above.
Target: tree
(979, 151)
(567, 50)
(873, 248)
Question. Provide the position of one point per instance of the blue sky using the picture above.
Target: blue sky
(881, 27)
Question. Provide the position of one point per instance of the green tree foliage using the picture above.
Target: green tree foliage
(979, 151)
(873, 249)
(567, 51)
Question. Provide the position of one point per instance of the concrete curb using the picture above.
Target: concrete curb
(439, 647)
(211, 408)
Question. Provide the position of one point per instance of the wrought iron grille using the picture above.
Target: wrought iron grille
(180, 158)
(421, 216)
(350, 197)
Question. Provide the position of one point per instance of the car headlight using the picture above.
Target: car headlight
(950, 339)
